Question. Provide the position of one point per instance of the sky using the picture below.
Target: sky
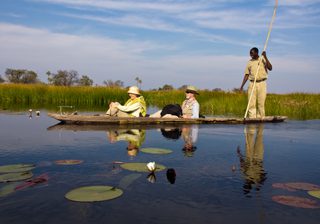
(204, 43)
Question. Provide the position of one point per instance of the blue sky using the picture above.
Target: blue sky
(199, 42)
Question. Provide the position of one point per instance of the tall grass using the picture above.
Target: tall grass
(21, 97)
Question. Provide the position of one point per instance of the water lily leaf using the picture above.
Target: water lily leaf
(294, 201)
(8, 189)
(315, 193)
(156, 151)
(296, 186)
(141, 167)
(68, 162)
(16, 168)
(9, 177)
(127, 180)
(93, 193)
(304, 186)
(29, 183)
(283, 186)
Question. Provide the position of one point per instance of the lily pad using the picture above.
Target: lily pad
(141, 167)
(68, 162)
(8, 189)
(304, 186)
(9, 177)
(93, 193)
(296, 186)
(294, 201)
(315, 193)
(156, 151)
(16, 168)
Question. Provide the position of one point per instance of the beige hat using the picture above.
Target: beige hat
(134, 90)
(192, 89)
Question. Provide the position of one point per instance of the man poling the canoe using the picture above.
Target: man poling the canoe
(257, 72)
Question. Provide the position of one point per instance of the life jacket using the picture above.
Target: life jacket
(141, 101)
(187, 107)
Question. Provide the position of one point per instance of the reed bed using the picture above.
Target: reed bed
(217, 103)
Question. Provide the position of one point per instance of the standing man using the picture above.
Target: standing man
(260, 92)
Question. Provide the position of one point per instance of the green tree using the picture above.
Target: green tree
(183, 87)
(21, 76)
(63, 78)
(139, 81)
(113, 84)
(1, 79)
(85, 81)
(167, 87)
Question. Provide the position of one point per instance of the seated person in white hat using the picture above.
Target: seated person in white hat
(190, 107)
(134, 107)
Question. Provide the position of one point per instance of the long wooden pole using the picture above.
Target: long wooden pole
(260, 58)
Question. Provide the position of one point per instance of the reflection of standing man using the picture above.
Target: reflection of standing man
(190, 137)
(260, 91)
(252, 164)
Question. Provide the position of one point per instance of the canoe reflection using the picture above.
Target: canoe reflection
(135, 134)
(251, 164)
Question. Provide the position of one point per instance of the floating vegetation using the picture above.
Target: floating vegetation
(156, 151)
(10, 177)
(140, 167)
(29, 183)
(16, 168)
(93, 193)
(294, 201)
(315, 193)
(296, 186)
(68, 162)
(8, 189)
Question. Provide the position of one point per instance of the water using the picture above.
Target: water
(224, 173)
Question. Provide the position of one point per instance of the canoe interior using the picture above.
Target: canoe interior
(105, 120)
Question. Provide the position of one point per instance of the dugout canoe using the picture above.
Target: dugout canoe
(106, 120)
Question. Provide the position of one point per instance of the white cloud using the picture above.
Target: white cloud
(105, 58)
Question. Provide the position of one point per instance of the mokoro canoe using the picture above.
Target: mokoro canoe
(103, 119)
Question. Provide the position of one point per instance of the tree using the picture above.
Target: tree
(21, 76)
(63, 78)
(183, 87)
(85, 81)
(167, 87)
(1, 79)
(139, 81)
(113, 84)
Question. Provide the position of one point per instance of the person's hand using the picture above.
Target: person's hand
(264, 54)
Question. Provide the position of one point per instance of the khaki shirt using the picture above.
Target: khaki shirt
(252, 67)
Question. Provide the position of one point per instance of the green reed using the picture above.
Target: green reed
(217, 103)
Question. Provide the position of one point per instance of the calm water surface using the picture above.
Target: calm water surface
(224, 173)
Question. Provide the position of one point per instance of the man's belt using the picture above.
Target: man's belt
(261, 80)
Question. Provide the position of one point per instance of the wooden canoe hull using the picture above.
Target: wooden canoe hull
(103, 119)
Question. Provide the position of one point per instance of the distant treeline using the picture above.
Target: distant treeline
(97, 98)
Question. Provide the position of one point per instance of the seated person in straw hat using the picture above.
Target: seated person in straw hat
(134, 107)
(190, 107)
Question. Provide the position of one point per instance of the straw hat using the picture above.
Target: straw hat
(134, 90)
(192, 89)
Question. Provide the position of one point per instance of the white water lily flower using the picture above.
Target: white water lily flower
(151, 166)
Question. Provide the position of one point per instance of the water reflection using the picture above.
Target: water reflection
(134, 137)
(190, 137)
(251, 164)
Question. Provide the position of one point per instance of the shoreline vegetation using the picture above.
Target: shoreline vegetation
(20, 97)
